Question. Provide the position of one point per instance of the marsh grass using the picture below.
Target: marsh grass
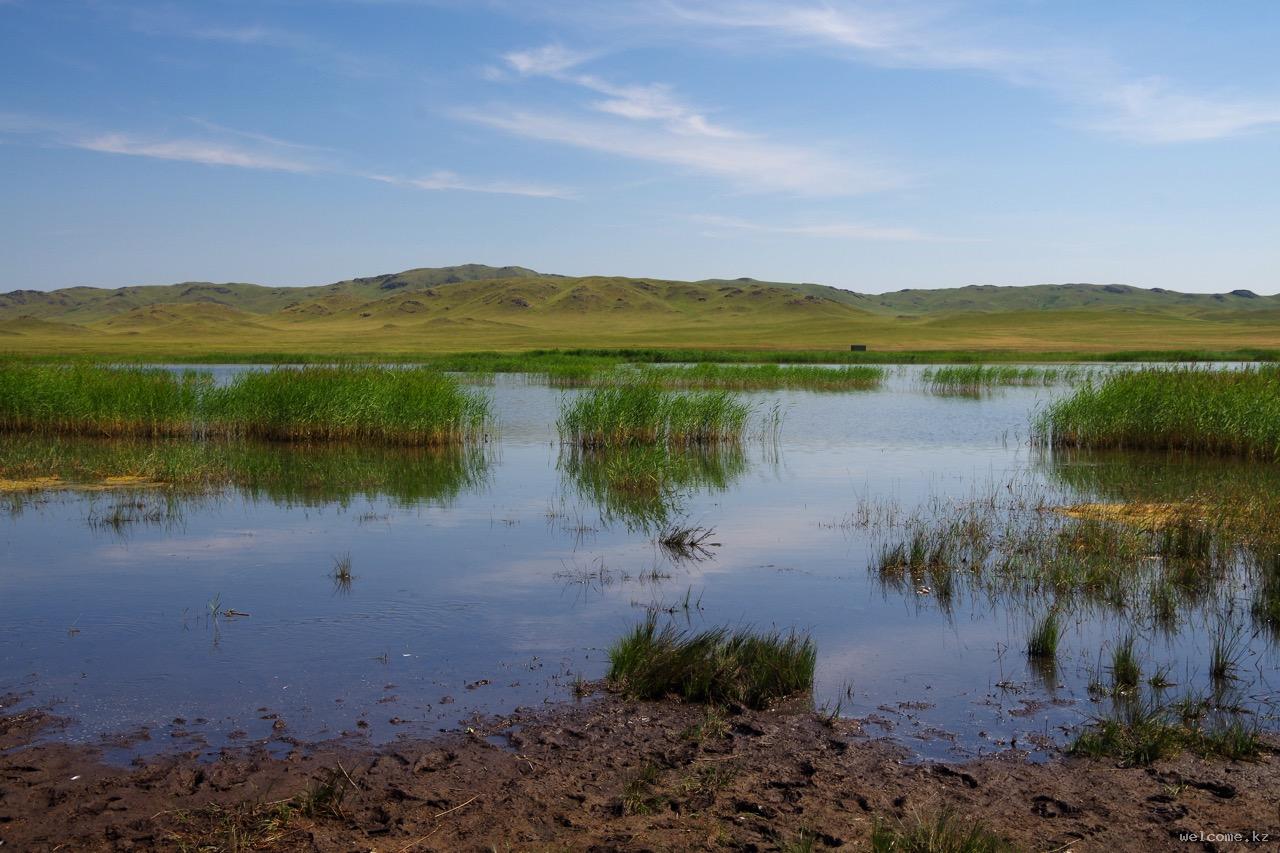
(974, 379)
(1229, 647)
(645, 414)
(1042, 645)
(1139, 733)
(639, 794)
(1230, 412)
(341, 574)
(412, 406)
(1126, 670)
(238, 827)
(685, 542)
(942, 832)
(757, 377)
(717, 666)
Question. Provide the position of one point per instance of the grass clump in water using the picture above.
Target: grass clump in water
(717, 666)
(412, 406)
(766, 377)
(941, 833)
(1126, 672)
(973, 379)
(1043, 643)
(645, 414)
(1234, 412)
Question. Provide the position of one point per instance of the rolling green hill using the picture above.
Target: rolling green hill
(476, 307)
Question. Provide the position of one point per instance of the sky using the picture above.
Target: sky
(868, 145)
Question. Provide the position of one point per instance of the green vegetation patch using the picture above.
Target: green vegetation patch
(715, 666)
(1234, 412)
(1140, 733)
(976, 378)
(645, 414)
(412, 406)
(765, 377)
(942, 832)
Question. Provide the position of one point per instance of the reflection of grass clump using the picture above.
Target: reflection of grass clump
(311, 473)
(715, 666)
(643, 485)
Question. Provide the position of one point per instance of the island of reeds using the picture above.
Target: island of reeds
(406, 406)
(1202, 410)
(642, 413)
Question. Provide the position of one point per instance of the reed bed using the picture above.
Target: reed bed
(412, 406)
(716, 666)
(1229, 412)
(82, 399)
(639, 413)
(974, 379)
(763, 377)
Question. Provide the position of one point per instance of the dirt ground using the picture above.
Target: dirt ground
(610, 774)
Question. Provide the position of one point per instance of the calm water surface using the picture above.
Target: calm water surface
(504, 576)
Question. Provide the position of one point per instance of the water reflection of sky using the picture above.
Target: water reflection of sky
(501, 594)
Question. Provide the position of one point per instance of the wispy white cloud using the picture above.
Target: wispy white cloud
(673, 132)
(832, 230)
(1105, 96)
(749, 163)
(265, 152)
(189, 151)
(446, 180)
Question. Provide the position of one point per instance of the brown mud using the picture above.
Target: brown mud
(610, 774)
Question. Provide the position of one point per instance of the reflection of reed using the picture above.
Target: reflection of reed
(312, 473)
(644, 486)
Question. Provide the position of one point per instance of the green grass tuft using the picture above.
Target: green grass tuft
(716, 666)
(645, 414)
(944, 832)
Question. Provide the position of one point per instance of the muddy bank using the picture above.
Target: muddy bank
(610, 774)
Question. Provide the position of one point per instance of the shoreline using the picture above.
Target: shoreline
(610, 773)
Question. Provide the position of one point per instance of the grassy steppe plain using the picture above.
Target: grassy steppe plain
(422, 312)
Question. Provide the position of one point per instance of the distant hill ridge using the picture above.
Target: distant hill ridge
(80, 304)
(481, 307)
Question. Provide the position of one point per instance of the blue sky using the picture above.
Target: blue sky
(867, 145)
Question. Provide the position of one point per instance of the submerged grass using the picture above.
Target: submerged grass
(638, 413)
(1235, 412)
(716, 666)
(412, 406)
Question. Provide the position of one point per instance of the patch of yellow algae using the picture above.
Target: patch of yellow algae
(48, 484)
(1148, 516)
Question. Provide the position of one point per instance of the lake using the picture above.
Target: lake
(497, 576)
